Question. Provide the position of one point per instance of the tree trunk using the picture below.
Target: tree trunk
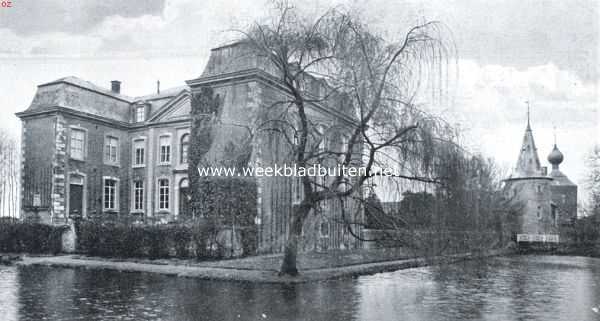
(289, 264)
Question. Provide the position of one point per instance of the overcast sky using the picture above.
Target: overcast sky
(509, 52)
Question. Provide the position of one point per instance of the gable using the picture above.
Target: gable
(177, 108)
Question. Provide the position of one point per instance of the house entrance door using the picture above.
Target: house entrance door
(75, 200)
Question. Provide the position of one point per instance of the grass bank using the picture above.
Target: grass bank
(261, 269)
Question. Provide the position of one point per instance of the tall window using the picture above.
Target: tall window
(138, 152)
(111, 149)
(110, 194)
(323, 138)
(165, 149)
(138, 195)
(140, 113)
(324, 229)
(163, 194)
(77, 143)
(344, 143)
(297, 190)
(185, 146)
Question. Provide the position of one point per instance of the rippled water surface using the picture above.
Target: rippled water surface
(508, 288)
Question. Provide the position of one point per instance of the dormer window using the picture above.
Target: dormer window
(140, 113)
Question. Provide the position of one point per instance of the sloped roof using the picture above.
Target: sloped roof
(167, 93)
(528, 163)
(559, 178)
(75, 93)
(88, 85)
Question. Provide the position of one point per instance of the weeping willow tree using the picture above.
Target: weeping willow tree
(371, 81)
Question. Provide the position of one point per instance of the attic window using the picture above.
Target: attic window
(140, 113)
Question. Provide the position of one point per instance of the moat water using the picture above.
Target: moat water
(504, 288)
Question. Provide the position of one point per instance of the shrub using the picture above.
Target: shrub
(156, 237)
(182, 238)
(110, 239)
(249, 240)
(30, 237)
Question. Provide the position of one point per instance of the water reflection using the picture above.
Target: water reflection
(517, 288)
(513, 288)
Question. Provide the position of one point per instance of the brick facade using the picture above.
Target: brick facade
(57, 168)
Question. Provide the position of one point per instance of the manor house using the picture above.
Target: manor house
(89, 152)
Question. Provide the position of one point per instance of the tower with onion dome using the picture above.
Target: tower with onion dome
(529, 188)
(563, 190)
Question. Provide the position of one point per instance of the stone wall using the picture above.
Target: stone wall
(533, 195)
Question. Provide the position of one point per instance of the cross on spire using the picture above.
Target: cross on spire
(527, 102)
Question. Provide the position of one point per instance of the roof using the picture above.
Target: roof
(559, 178)
(528, 163)
(88, 85)
(167, 93)
(88, 98)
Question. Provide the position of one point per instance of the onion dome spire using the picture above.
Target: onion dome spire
(555, 157)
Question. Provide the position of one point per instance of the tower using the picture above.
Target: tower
(564, 192)
(529, 189)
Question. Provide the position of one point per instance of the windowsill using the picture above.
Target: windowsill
(77, 159)
(137, 212)
(182, 166)
(110, 211)
(164, 164)
(112, 164)
(163, 212)
(138, 166)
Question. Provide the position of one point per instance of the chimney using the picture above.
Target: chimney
(158, 86)
(115, 86)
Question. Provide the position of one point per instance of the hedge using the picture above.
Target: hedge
(28, 237)
(191, 240)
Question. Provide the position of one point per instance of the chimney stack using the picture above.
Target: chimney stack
(115, 86)
(158, 86)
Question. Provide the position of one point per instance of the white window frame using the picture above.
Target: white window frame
(107, 150)
(134, 152)
(345, 140)
(181, 144)
(328, 227)
(297, 190)
(134, 195)
(322, 130)
(170, 149)
(137, 113)
(83, 142)
(159, 191)
(115, 207)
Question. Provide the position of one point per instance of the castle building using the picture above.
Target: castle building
(547, 201)
(88, 151)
